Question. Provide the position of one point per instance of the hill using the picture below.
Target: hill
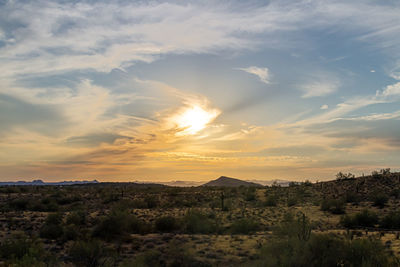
(230, 182)
(362, 187)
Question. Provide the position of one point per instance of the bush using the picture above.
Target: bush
(22, 251)
(325, 250)
(352, 197)
(271, 201)
(196, 222)
(166, 224)
(395, 193)
(292, 201)
(365, 218)
(294, 226)
(244, 226)
(118, 223)
(89, 253)
(51, 231)
(334, 206)
(76, 218)
(52, 228)
(344, 176)
(71, 232)
(19, 204)
(151, 202)
(250, 194)
(380, 200)
(391, 221)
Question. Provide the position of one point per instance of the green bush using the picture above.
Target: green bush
(244, 226)
(118, 223)
(151, 202)
(395, 193)
(89, 253)
(325, 250)
(292, 201)
(352, 197)
(76, 218)
(166, 224)
(250, 194)
(294, 226)
(23, 251)
(52, 228)
(365, 218)
(334, 206)
(19, 204)
(51, 231)
(196, 222)
(271, 201)
(380, 200)
(391, 221)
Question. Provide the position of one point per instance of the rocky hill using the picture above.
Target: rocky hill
(230, 182)
(361, 187)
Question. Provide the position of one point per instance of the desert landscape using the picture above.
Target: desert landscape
(226, 222)
(170, 133)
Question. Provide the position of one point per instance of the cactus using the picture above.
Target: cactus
(304, 227)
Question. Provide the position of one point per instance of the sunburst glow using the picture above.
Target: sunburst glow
(194, 119)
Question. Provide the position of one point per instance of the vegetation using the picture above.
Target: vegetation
(344, 222)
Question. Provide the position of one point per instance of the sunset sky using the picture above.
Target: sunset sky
(192, 90)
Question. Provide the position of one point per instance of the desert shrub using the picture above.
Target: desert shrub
(54, 218)
(89, 253)
(118, 223)
(271, 201)
(325, 250)
(364, 218)
(391, 221)
(380, 200)
(250, 194)
(139, 204)
(166, 224)
(292, 201)
(334, 206)
(71, 232)
(196, 222)
(244, 226)
(150, 258)
(19, 204)
(51, 231)
(344, 176)
(151, 202)
(23, 251)
(76, 218)
(395, 193)
(352, 197)
(52, 228)
(294, 226)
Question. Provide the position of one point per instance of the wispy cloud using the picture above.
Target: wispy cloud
(262, 73)
(320, 84)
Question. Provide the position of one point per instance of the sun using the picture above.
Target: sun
(194, 119)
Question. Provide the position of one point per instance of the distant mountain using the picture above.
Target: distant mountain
(182, 183)
(229, 182)
(40, 182)
(277, 182)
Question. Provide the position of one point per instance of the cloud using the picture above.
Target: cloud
(390, 90)
(319, 88)
(324, 107)
(262, 73)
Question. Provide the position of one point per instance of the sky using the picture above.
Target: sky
(192, 90)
